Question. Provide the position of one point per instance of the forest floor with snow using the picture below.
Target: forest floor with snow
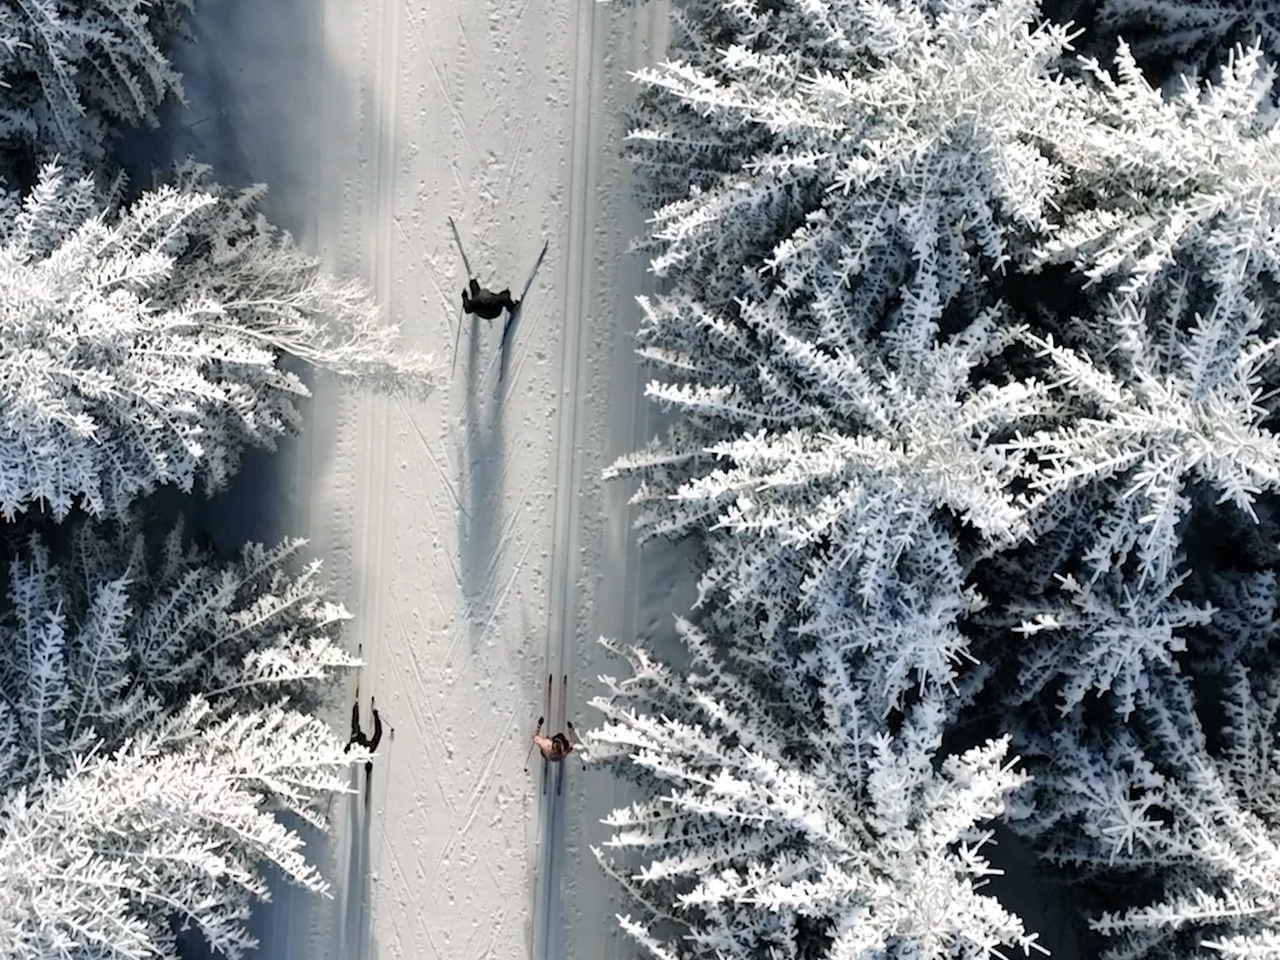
(471, 534)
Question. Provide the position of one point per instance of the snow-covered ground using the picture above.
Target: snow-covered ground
(471, 534)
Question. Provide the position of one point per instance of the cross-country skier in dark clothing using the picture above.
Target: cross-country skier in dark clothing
(486, 303)
(357, 736)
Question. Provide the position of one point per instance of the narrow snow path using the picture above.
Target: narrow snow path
(471, 534)
(470, 529)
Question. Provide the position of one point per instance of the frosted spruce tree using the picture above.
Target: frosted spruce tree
(1166, 389)
(882, 457)
(1174, 813)
(151, 721)
(769, 828)
(1164, 206)
(142, 345)
(74, 71)
(833, 326)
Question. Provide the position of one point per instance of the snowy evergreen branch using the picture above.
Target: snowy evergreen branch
(801, 840)
(1193, 37)
(100, 858)
(1171, 192)
(141, 346)
(97, 647)
(820, 470)
(1171, 405)
(1105, 636)
(1159, 801)
(74, 71)
(266, 289)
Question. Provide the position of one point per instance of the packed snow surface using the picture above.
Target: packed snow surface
(471, 534)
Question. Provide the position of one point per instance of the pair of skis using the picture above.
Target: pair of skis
(512, 316)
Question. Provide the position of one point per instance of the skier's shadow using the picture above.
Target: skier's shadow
(355, 929)
(481, 535)
(480, 522)
(355, 926)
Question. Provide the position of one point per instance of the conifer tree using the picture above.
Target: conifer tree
(75, 71)
(142, 344)
(1174, 811)
(874, 448)
(151, 721)
(766, 828)
(832, 323)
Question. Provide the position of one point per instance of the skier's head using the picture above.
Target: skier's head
(559, 745)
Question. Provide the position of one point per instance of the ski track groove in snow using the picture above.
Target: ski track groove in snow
(441, 473)
(564, 615)
(437, 732)
(384, 261)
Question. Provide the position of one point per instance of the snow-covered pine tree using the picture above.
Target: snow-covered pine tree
(1164, 390)
(822, 472)
(767, 828)
(129, 627)
(1175, 401)
(174, 826)
(73, 71)
(151, 719)
(888, 132)
(1174, 813)
(831, 320)
(141, 345)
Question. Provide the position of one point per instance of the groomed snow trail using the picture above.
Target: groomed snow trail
(469, 531)
(471, 534)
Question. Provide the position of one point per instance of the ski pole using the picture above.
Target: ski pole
(527, 756)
